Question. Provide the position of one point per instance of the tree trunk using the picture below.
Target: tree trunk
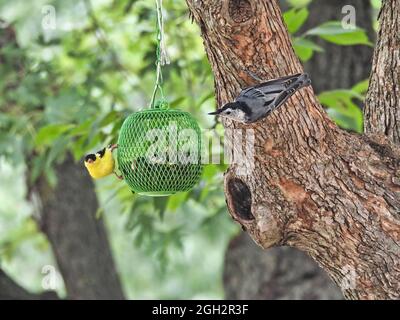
(313, 186)
(279, 273)
(273, 274)
(78, 238)
(382, 114)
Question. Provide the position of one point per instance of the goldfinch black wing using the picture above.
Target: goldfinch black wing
(101, 152)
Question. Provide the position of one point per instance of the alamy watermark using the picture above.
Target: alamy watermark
(172, 145)
(350, 18)
(51, 279)
(49, 19)
(349, 279)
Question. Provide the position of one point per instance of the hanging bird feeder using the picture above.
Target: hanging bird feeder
(159, 149)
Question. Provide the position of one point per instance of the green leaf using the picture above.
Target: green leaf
(109, 118)
(206, 97)
(177, 102)
(138, 210)
(177, 200)
(210, 171)
(82, 128)
(376, 4)
(49, 133)
(342, 109)
(38, 165)
(334, 32)
(305, 48)
(298, 3)
(361, 87)
(51, 177)
(295, 18)
(160, 204)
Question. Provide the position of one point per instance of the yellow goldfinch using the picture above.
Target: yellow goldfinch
(101, 164)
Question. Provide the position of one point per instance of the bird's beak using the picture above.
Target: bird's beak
(89, 161)
(215, 112)
(114, 146)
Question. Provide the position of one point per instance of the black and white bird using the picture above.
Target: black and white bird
(257, 102)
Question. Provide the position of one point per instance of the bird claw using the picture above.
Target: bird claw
(120, 177)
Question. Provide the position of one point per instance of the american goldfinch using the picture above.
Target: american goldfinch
(101, 163)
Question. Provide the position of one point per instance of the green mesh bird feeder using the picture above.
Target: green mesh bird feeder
(159, 149)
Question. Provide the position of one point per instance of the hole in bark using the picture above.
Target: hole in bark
(240, 197)
(383, 150)
(240, 10)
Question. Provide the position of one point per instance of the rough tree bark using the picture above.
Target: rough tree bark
(273, 275)
(279, 273)
(382, 112)
(315, 187)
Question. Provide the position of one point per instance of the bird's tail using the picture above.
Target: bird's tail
(301, 82)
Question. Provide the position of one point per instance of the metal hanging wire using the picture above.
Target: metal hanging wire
(173, 173)
(161, 59)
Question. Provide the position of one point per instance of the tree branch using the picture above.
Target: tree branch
(332, 194)
(10, 290)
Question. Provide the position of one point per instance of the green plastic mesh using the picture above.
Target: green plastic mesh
(157, 154)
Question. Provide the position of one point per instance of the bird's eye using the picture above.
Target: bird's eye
(228, 112)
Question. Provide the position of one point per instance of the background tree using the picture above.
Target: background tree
(66, 217)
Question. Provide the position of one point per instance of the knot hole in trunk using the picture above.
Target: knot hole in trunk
(240, 10)
(240, 199)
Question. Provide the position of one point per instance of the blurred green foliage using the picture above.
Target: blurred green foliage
(341, 103)
(69, 90)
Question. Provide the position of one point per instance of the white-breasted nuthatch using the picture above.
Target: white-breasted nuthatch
(257, 102)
